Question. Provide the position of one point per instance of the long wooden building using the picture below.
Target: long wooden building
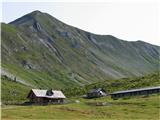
(134, 92)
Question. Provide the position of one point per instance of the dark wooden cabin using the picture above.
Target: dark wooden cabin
(39, 96)
(134, 92)
(96, 92)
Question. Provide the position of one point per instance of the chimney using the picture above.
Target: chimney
(49, 92)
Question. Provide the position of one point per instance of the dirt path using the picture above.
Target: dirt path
(9, 107)
(9, 75)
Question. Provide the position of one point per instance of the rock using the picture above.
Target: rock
(24, 48)
(26, 64)
(63, 33)
(77, 101)
(75, 44)
(37, 26)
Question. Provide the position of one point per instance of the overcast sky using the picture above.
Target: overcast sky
(128, 21)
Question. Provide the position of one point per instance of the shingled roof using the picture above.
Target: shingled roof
(42, 93)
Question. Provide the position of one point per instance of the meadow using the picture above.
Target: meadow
(139, 107)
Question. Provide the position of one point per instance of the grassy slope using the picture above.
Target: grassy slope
(13, 92)
(9, 87)
(52, 74)
(47, 70)
(123, 109)
(119, 84)
(62, 56)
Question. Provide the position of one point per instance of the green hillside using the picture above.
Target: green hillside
(110, 86)
(14, 92)
(43, 52)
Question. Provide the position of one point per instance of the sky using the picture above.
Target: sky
(129, 21)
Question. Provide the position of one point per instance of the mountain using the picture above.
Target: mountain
(40, 51)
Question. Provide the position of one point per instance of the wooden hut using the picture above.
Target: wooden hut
(134, 92)
(96, 92)
(45, 96)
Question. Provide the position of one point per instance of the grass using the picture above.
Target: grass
(110, 86)
(13, 92)
(10, 86)
(40, 79)
(140, 107)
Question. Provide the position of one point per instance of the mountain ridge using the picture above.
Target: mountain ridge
(36, 12)
(48, 52)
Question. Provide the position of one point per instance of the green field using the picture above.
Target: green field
(140, 107)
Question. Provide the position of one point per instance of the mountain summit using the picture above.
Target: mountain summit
(41, 51)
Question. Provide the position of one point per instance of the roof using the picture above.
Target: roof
(42, 93)
(134, 90)
(95, 90)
